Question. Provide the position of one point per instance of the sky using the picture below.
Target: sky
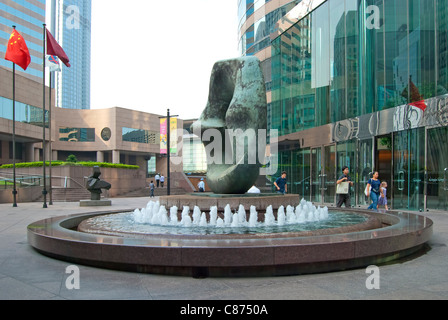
(156, 55)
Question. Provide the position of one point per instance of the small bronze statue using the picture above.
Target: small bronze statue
(95, 184)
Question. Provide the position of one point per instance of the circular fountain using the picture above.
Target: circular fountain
(231, 240)
(230, 233)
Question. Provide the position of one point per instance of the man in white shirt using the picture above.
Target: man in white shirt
(157, 177)
(201, 185)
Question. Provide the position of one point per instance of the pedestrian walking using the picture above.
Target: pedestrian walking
(343, 189)
(201, 185)
(281, 184)
(162, 180)
(157, 177)
(382, 201)
(151, 189)
(373, 191)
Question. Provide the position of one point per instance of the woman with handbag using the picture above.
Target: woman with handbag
(373, 190)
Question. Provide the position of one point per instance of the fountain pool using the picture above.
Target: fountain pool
(284, 241)
(156, 219)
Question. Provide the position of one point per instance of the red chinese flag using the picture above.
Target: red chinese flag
(54, 49)
(17, 51)
(416, 98)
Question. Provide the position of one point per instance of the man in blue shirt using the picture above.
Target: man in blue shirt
(281, 184)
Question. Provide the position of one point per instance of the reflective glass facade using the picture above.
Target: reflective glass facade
(256, 36)
(73, 33)
(77, 134)
(28, 17)
(139, 136)
(23, 112)
(363, 83)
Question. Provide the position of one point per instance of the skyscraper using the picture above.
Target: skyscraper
(71, 26)
(256, 21)
(28, 17)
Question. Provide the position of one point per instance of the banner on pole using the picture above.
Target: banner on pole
(173, 136)
(163, 136)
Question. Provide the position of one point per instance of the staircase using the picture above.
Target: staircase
(157, 192)
(69, 194)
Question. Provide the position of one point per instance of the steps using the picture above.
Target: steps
(69, 195)
(157, 192)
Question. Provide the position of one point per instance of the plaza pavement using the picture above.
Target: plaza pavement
(27, 275)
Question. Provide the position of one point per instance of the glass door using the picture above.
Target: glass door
(437, 169)
(409, 169)
(346, 156)
(316, 175)
(323, 175)
(364, 170)
(329, 175)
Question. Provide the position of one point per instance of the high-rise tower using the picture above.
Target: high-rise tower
(28, 17)
(71, 25)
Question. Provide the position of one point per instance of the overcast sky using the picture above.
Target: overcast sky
(154, 55)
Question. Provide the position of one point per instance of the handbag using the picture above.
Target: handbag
(367, 191)
(342, 188)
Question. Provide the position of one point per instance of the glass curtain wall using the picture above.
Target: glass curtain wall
(346, 59)
(409, 169)
(437, 169)
(350, 58)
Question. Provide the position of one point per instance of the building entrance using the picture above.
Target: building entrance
(323, 175)
(437, 169)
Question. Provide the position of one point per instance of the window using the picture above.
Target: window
(139, 136)
(77, 134)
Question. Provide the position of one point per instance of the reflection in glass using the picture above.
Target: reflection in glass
(77, 134)
(139, 136)
(437, 187)
(409, 169)
(23, 112)
(364, 170)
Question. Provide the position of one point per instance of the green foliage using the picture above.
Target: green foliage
(71, 159)
(62, 163)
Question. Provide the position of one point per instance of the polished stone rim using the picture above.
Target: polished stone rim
(403, 234)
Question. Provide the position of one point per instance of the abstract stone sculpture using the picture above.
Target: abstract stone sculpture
(95, 184)
(237, 100)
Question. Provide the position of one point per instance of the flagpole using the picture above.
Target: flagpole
(44, 192)
(14, 192)
(50, 147)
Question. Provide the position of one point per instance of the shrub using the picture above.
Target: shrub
(71, 159)
(62, 163)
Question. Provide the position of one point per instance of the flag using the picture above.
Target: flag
(17, 50)
(54, 49)
(416, 98)
(53, 64)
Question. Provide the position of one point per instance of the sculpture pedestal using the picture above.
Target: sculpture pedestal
(95, 203)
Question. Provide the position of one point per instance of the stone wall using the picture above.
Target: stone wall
(122, 180)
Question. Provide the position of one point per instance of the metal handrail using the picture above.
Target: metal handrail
(23, 181)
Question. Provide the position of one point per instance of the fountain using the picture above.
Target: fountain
(228, 232)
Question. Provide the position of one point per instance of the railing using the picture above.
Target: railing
(25, 181)
(22, 181)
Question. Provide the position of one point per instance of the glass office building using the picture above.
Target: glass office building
(72, 30)
(256, 21)
(363, 83)
(28, 17)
